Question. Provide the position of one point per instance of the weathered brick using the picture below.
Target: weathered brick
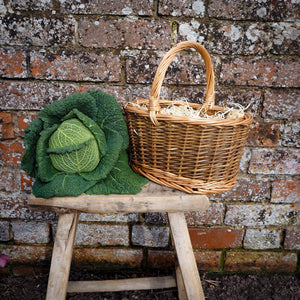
(23, 120)
(6, 126)
(216, 238)
(8, 180)
(14, 206)
(31, 232)
(281, 105)
(38, 5)
(290, 135)
(105, 235)
(185, 69)
(193, 30)
(254, 10)
(87, 66)
(238, 39)
(246, 189)
(11, 153)
(286, 191)
(259, 239)
(265, 161)
(156, 218)
(125, 94)
(292, 239)
(262, 215)
(285, 37)
(150, 236)
(15, 30)
(109, 217)
(126, 258)
(13, 63)
(263, 134)
(4, 231)
(260, 72)
(32, 95)
(106, 7)
(260, 261)
(23, 270)
(137, 34)
(189, 8)
(245, 160)
(206, 260)
(27, 254)
(26, 183)
(212, 216)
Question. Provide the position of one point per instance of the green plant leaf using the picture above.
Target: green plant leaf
(110, 115)
(62, 185)
(32, 135)
(121, 180)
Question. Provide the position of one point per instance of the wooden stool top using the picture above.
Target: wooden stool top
(152, 198)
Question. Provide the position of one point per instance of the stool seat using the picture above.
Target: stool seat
(152, 198)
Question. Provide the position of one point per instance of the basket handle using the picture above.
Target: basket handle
(154, 106)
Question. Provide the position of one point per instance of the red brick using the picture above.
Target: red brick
(275, 162)
(262, 215)
(286, 191)
(206, 260)
(26, 183)
(290, 135)
(254, 10)
(281, 105)
(216, 238)
(32, 95)
(11, 153)
(37, 31)
(13, 63)
(260, 261)
(6, 126)
(247, 189)
(292, 239)
(260, 72)
(99, 234)
(87, 66)
(109, 257)
(27, 254)
(106, 7)
(8, 180)
(23, 120)
(137, 34)
(263, 134)
(186, 69)
(182, 8)
(212, 216)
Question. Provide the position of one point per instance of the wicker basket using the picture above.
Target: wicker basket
(193, 155)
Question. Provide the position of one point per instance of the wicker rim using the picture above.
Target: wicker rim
(154, 106)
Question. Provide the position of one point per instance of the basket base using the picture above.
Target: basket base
(187, 185)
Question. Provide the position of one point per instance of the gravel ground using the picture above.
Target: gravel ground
(220, 287)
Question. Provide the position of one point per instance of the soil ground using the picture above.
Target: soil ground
(216, 287)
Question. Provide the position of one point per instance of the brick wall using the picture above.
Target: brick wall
(53, 48)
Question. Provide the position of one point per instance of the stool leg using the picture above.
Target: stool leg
(61, 256)
(185, 256)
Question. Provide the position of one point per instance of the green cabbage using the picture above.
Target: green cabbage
(78, 145)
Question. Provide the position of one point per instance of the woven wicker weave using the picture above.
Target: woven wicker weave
(193, 155)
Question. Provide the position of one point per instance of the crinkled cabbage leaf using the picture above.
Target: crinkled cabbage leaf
(78, 145)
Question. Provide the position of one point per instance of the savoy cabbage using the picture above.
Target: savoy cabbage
(78, 145)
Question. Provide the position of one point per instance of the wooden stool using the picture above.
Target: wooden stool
(153, 198)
